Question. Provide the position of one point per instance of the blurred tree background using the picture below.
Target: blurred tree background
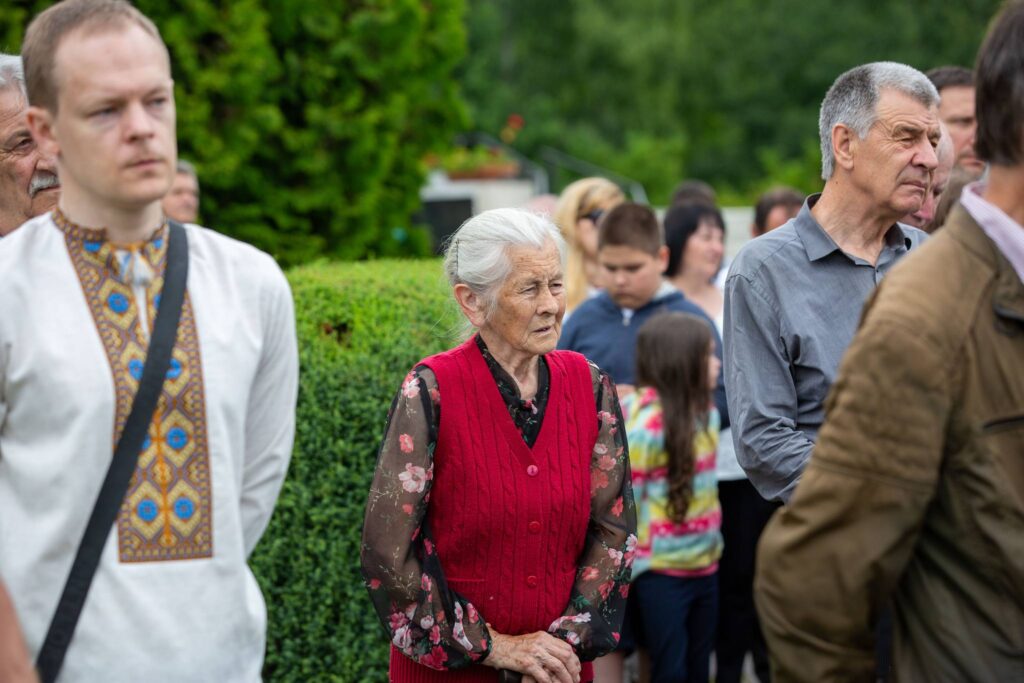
(725, 91)
(310, 121)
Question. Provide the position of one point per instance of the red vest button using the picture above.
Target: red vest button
(531, 581)
(532, 470)
(534, 527)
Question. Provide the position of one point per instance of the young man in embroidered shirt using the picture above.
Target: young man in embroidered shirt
(172, 596)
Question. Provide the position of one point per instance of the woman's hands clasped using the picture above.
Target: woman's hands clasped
(539, 656)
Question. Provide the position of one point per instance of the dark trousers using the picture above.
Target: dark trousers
(678, 618)
(744, 516)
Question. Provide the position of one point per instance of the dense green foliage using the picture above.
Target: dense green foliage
(361, 327)
(308, 121)
(727, 91)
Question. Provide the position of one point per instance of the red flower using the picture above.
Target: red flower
(428, 546)
(654, 424)
(405, 443)
(617, 507)
(598, 480)
(410, 386)
(374, 584)
(436, 658)
(606, 589)
(616, 636)
(407, 509)
(515, 121)
(589, 573)
(398, 620)
(624, 590)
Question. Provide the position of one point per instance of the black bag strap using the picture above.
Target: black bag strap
(123, 464)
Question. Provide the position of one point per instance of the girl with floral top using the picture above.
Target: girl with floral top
(500, 527)
(672, 428)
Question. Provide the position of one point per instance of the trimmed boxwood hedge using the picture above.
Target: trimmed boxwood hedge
(361, 327)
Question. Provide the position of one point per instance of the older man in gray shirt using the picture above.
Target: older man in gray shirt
(793, 296)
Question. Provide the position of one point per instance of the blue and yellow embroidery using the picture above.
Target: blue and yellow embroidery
(167, 513)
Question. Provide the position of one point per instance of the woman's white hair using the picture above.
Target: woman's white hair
(853, 101)
(477, 254)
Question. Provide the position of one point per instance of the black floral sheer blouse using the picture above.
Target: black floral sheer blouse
(423, 616)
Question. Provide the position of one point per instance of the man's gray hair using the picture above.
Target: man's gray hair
(853, 100)
(477, 254)
(187, 168)
(12, 73)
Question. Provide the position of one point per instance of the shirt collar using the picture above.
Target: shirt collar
(131, 263)
(820, 244)
(1006, 233)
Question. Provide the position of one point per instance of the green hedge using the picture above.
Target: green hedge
(361, 327)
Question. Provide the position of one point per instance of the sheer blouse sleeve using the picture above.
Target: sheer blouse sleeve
(426, 621)
(593, 617)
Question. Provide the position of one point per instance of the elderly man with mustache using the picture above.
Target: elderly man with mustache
(28, 178)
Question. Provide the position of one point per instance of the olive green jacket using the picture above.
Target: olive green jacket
(915, 492)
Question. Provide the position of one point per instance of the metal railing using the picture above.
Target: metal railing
(555, 159)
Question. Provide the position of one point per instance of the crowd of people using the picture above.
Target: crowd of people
(916, 437)
(810, 455)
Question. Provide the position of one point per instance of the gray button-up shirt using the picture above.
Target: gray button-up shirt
(792, 303)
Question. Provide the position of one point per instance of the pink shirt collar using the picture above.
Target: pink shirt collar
(1007, 233)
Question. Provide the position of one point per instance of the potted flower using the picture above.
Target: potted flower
(480, 162)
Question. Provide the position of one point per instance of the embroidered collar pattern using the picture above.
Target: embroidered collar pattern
(167, 512)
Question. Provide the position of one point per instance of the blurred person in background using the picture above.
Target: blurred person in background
(632, 252)
(544, 204)
(181, 203)
(695, 238)
(958, 180)
(914, 496)
(694, 191)
(924, 218)
(28, 177)
(694, 235)
(774, 208)
(579, 209)
(956, 110)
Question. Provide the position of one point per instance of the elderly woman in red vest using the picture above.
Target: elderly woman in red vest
(500, 527)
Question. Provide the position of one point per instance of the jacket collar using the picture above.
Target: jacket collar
(1008, 297)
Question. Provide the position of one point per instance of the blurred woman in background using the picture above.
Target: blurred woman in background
(579, 208)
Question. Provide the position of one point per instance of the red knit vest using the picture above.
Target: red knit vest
(509, 521)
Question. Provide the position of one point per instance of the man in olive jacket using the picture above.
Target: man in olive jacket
(915, 491)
